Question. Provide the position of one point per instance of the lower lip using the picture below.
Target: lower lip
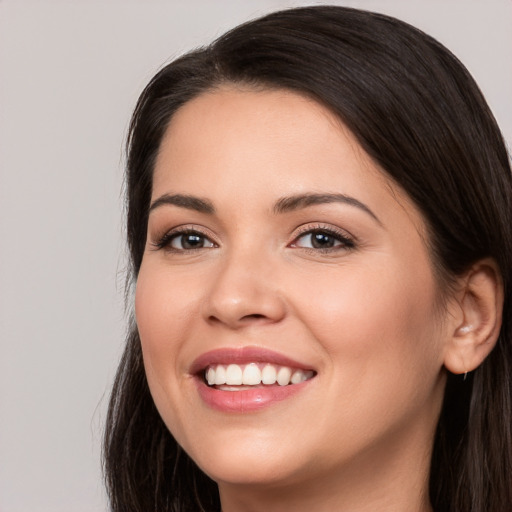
(247, 400)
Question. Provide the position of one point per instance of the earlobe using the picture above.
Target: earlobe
(477, 324)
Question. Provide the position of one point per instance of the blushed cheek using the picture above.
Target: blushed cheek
(153, 317)
(162, 319)
(165, 313)
(147, 305)
(370, 316)
(155, 300)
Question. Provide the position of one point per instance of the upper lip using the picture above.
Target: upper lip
(244, 355)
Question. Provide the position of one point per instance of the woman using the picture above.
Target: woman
(319, 212)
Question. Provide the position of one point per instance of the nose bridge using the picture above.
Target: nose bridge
(245, 289)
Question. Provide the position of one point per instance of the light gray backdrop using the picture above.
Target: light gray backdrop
(70, 72)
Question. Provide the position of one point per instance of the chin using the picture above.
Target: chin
(250, 461)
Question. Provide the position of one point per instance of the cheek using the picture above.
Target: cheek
(382, 339)
(384, 321)
(162, 310)
(165, 313)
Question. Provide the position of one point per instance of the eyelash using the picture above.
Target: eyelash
(346, 242)
(166, 240)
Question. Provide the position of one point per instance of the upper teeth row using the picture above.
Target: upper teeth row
(252, 375)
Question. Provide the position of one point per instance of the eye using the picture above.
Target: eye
(187, 241)
(323, 239)
(184, 240)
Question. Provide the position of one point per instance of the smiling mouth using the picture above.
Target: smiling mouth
(239, 377)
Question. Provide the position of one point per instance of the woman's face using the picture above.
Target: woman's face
(277, 249)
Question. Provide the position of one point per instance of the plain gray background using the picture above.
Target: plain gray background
(70, 73)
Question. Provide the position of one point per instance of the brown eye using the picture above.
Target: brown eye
(322, 239)
(189, 241)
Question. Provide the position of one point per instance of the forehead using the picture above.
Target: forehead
(245, 126)
(237, 141)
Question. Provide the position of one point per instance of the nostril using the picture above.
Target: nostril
(255, 316)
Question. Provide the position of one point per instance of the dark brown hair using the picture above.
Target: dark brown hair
(418, 113)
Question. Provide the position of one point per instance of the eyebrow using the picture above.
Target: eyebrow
(282, 205)
(184, 201)
(296, 202)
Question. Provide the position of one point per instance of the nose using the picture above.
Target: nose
(245, 291)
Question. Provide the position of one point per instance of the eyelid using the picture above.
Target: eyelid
(348, 241)
(320, 226)
(162, 241)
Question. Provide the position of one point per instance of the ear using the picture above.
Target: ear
(476, 322)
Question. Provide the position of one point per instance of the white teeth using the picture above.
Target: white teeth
(234, 375)
(297, 377)
(283, 376)
(253, 375)
(210, 376)
(269, 374)
(220, 375)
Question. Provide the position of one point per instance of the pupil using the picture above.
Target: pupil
(322, 240)
(192, 241)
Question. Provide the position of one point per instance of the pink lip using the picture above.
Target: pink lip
(247, 400)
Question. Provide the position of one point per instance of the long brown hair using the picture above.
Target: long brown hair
(416, 110)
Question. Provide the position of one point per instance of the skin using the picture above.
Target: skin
(365, 315)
